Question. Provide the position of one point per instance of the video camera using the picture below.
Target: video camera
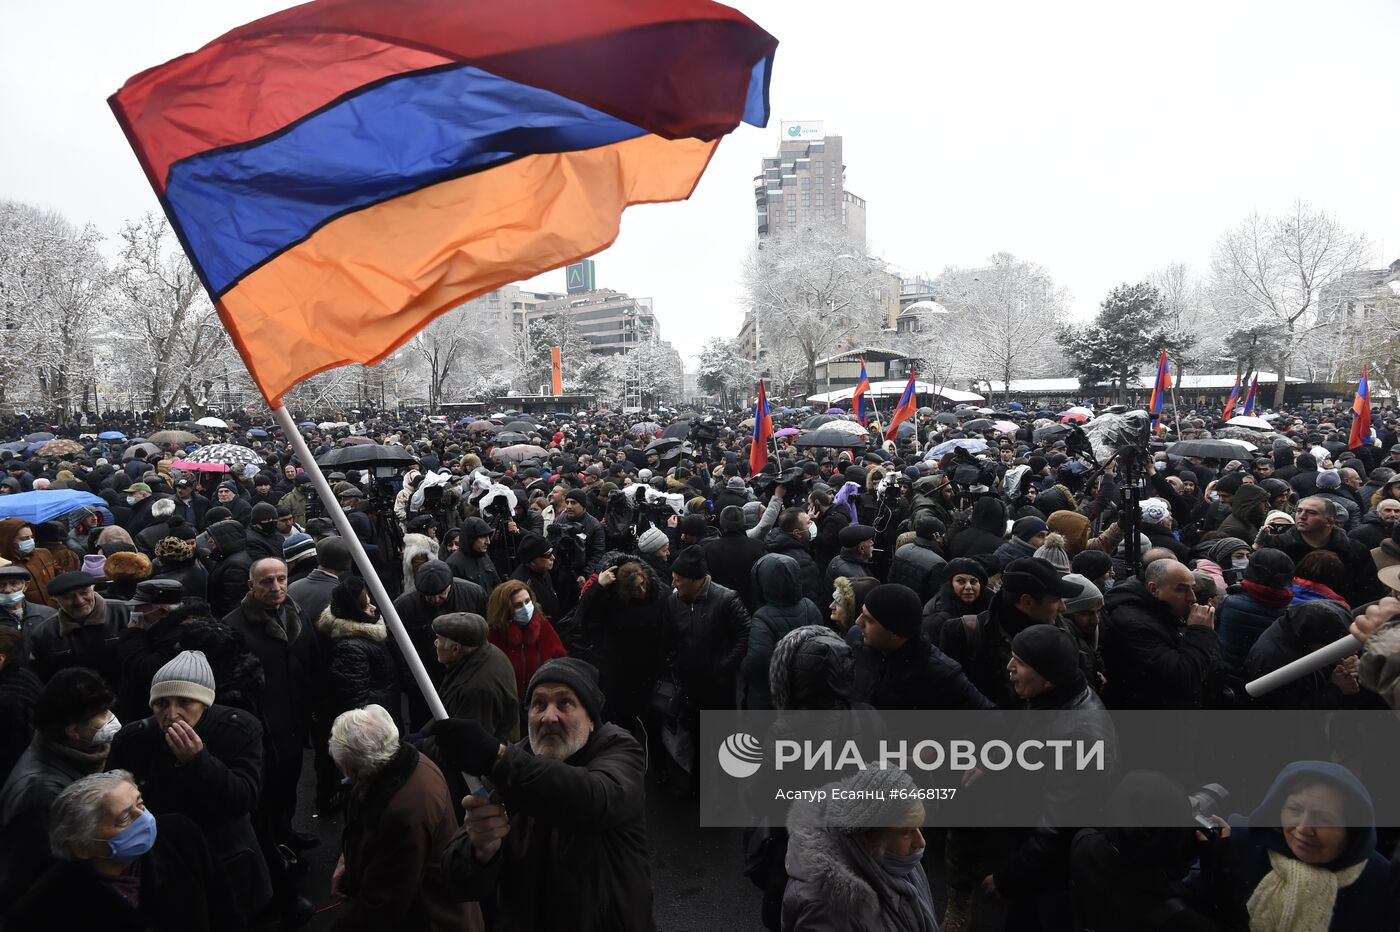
(1212, 799)
(568, 540)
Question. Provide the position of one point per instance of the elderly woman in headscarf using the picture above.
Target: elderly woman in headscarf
(855, 864)
(1307, 856)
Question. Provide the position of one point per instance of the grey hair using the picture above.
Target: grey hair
(363, 741)
(163, 508)
(76, 811)
(1331, 508)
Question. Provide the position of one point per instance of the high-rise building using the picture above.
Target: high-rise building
(805, 184)
(610, 322)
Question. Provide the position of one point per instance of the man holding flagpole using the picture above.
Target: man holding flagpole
(1361, 406)
(908, 406)
(762, 432)
(1160, 387)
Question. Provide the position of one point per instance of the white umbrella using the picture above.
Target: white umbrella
(212, 422)
(846, 427)
(1249, 447)
(1248, 420)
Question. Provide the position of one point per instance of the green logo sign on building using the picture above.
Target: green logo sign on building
(579, 277)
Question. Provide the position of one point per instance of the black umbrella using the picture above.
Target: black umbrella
(509, 437)
(679, 429)
(366, 454)
(946, 417)
(1053, 432)
(1208, 449)
(662, 444)
(522, 426)
(831, 438)
(1333, 447)
(977, 425)
(817, 420)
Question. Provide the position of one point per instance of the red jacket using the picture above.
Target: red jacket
(528, 648)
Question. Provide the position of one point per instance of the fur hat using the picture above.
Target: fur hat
(126, 565)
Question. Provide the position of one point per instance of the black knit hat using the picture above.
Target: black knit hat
(691, 563)
(532, 545)
(578, 675)
(967, 566)
(1270, 567)
(1091, 564)
(1049, 651)
(897, 608)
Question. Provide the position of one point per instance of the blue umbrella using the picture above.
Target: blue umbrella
(40, 436)
(47, 504)
(1015, 406)
(971, 445)
(14, 445)
(257, 432)
(33, 447)
(111, 435)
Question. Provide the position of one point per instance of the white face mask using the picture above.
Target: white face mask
(108, 731)
(811, 530)
(524, 613)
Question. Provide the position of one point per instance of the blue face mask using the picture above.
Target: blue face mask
(1108, 585)
(134, 840)
(11, 598)
(131, 499)
(524, 613)
(1239, 566)
(26, 546)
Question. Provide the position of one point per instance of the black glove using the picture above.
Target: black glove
(465, 744)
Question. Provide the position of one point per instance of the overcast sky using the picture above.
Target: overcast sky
(1102, 140)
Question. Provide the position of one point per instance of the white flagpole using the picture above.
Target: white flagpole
(367, 569)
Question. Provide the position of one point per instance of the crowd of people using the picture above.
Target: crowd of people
(580, 588)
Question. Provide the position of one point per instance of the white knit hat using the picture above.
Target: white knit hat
(187, 676)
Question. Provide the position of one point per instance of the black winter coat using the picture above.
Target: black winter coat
(920, 567)
(143, 651)
(813, 584)
(218, 789)
(581, 823)
(182, 890)
(848, 564)
(193, 578)
(361, 669)
(985, 657)
(784, 608)
(1369, 531)
(706, 641)
(58, 643)
(1361, 586)
(731, 557)
(287, 651)
(1154, 660)
(917, 676)
(19, 688)
(985, 534)
(477, 568)
(827, 544)
(228, 577)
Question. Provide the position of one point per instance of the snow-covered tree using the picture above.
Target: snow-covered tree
(468, 347)
(168, 328)
(816, 290)
(1129, 332)
(1004, 318)
(1273, 271)
(725, 371)
(54, 291)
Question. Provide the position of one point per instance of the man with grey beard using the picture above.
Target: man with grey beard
(562, 839)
